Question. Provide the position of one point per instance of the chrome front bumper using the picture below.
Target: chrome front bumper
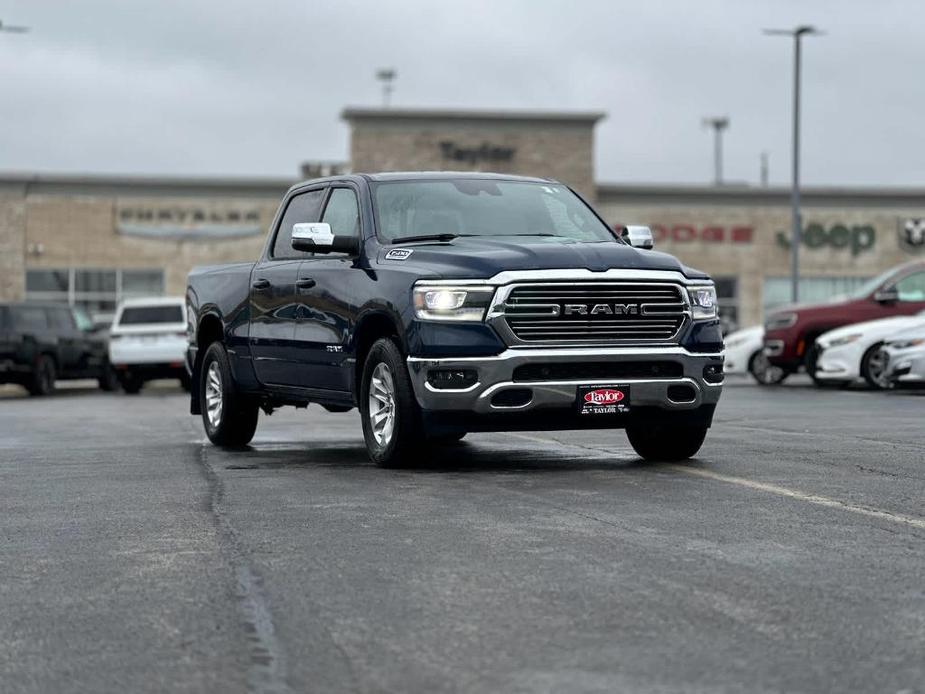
(496, 374)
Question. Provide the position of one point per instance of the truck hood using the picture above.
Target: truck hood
(484, 257)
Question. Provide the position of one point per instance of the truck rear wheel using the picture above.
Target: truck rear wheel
(656, 443)
(42, 380)
(391, 419)
(229, 418)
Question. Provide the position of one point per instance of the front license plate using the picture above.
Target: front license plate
(603, 400)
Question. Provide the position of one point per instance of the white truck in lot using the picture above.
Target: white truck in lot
(148, 341)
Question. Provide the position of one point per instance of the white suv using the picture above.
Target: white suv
(148, 341)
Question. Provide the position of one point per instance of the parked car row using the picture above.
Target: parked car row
(874, 337)
(41, 343)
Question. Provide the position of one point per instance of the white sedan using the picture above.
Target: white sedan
(745, 354)
(904, 354)
(852, 353)
(148, 340)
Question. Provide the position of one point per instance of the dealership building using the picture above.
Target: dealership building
(91, 241)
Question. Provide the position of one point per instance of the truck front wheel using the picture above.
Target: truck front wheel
(230, 418)
(657, 443)
(391, 419)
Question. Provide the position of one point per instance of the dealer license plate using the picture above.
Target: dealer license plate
(603, 400)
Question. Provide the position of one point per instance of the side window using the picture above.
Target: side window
(911, 287)
(343, 213)
(29, 318)
(304, 207)
(60, 318)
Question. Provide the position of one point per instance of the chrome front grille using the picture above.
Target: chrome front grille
(594, 312)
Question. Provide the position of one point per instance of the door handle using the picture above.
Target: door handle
(261, 284)
(305, 283)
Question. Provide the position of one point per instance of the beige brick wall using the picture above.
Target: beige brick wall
(80, 231)
(560, 150)
(12, 245)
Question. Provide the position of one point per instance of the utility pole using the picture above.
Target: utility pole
(387, 77)
(795, 222)
(764, 169)
(718, 123)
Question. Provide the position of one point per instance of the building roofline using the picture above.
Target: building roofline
(739, 194)
(353, 113)
(142, 184)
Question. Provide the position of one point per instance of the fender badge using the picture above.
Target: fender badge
(399, 254)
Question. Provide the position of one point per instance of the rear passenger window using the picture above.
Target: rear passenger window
(29, 318)
(304, 207)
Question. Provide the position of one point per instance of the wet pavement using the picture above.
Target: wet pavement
(789, 556)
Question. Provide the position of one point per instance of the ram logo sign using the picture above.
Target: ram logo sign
(600, 309)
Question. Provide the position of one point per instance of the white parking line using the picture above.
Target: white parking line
(816, 499)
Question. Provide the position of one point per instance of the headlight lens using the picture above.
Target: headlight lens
(703, 302)
(445, 303)
(906, 344)
(780, 321)
(839, 341)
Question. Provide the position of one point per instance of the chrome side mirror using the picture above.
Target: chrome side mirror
(638, 237)
(312, 236)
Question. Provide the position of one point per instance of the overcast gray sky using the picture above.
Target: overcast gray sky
(199, 87)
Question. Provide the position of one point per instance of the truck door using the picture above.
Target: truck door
(273, 298)
(327, 303)
(70, 339)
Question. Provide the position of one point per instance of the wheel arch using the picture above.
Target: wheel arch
(372, 326)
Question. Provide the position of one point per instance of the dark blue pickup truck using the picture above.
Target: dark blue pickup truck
(445, 303)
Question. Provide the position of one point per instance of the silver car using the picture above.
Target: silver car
(905, 355)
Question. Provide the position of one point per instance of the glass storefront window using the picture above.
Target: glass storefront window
(727, 297)
(51, 280)
(96, 291)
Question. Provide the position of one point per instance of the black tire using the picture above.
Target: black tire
(669, 443)
(809, 362)
(42, 379)
(233, 421)
(400, 445)
(764, 372)
(108, 379)
(131, 383)
(873, 368)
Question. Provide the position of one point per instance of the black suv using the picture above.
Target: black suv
(40, 343)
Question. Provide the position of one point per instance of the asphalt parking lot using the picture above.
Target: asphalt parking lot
(789, 556)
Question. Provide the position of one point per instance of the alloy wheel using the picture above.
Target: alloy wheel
(876, 369)
(214, 394)
(382, 404)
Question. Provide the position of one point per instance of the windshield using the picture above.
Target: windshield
(484, 207)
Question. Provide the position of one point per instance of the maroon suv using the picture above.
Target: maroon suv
(790, 333)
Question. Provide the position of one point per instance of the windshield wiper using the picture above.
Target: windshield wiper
(426, 237)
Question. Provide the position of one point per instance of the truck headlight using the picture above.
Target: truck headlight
(703, 302)
(447, 303)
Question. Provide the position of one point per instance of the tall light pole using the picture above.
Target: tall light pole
(387, 77)
(13, 29)
(718, 123)
(796, 230)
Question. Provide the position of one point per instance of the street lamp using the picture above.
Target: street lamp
(13, 29)
(718, 124)
(796, 230)
(387, 77)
